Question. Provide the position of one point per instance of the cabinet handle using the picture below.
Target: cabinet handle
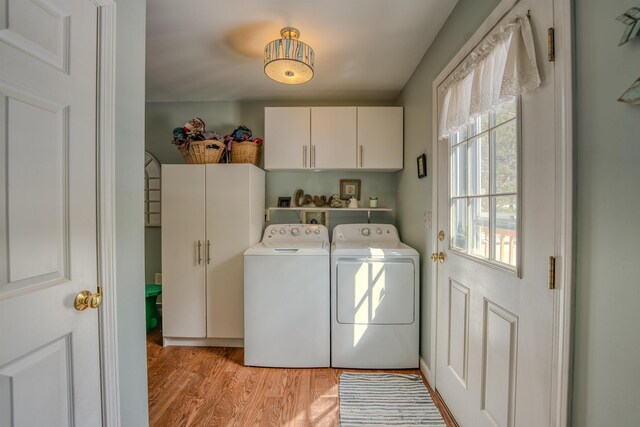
(208, 251)
(361, 155)
(199, 252)
(313, 155)
(304, 156)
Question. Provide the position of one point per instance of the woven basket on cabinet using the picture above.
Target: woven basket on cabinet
(200, 152)
(245, 152)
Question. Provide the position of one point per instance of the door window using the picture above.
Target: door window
(483, 190)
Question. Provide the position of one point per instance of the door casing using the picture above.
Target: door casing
(105, 153)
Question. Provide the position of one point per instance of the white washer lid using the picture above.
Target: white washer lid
(304, 248)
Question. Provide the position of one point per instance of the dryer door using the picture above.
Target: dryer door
(375, 291)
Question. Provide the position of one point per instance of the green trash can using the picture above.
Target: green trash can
(153, 317)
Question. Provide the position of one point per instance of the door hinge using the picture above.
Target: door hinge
(551, 44)
(552, 272)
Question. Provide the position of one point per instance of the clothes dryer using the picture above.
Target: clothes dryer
(374, 298)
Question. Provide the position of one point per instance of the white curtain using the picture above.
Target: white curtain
(501, 67)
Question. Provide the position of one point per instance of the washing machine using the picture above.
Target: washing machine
(374, 298)
(286, 298)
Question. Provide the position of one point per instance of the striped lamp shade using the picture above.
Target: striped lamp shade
(288, 60)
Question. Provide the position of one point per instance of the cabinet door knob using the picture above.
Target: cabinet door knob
(304, 156)
(199, 252)
(208, 251)
(361, 151)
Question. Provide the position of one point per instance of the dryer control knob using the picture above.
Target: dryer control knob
(307, 231)
(295, 231)
(366, 232)
(274, 231)
(316, 231)
(378, 230)
(282, 231)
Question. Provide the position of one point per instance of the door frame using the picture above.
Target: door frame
(105, 190)
(563, 336)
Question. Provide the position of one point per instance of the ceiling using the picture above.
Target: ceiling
(211, 50)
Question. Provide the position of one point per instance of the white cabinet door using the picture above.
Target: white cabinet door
(333, 137)
(380, 138)
(183, 251)
(287, 135)
(228, 236)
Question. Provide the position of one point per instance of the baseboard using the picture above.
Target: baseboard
(424, 368)
(202, 342)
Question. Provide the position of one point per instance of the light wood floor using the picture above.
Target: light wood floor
(206, 386)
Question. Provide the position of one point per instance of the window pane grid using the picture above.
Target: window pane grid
(483, 209)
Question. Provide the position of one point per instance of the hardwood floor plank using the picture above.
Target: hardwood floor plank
(208, 386)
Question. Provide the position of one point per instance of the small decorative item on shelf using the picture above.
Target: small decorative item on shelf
(284, 202)
(196, 144)
(335, 202)
(243, 148)
(373, 202)
(353, 203)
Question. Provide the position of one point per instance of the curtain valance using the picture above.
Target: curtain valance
(502, 66)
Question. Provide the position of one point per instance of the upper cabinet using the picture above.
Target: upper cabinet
(287, 133)
(325, 138)
(333, 137)
(380, 131)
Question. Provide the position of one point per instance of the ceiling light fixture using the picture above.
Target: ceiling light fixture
(288, 60)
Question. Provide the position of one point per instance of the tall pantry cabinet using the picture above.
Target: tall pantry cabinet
(211, 215)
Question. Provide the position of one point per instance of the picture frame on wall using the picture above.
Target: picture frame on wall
(350, 188)
(284, 202)
(422, 165)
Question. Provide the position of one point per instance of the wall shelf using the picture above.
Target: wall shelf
(325, 212)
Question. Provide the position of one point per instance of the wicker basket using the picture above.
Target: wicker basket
(200, 152)
(245, 152)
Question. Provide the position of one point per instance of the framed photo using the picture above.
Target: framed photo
(284, 202)
(349, 188)
(422, 165)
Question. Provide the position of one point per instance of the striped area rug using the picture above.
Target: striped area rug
(386, 400)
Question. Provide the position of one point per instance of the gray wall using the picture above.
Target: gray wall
(607, 148)
(129, 156)
(223, 117)
(414, 195)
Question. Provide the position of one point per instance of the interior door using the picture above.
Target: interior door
(49, 359)
(496, 207)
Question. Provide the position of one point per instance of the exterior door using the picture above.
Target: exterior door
(49, 360)
(496, 207)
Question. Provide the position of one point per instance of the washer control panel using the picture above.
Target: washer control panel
(296, 233)
(365, 232)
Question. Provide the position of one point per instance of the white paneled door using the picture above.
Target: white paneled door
(496, 212)
(49, 360)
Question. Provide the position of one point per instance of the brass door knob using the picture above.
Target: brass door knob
(437, 256)
(86, 299)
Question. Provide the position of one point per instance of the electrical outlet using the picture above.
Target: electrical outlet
(427, 220)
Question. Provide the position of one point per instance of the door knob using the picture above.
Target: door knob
(86, 299)
(437, 256)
